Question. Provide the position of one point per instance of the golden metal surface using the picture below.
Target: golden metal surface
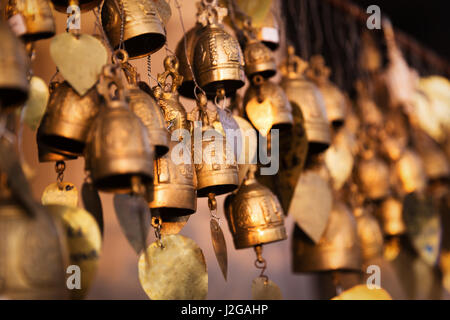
(369, 234)
(410, 173)
(423, 226)
(173, 190)
(84, 241)
(267, 106)
(14, 64)
(259, 60)
(37, 18)
(338, 249)
(36, 104)
(254, 215)
(173, 224)
(85, 5)
(143, 28)
(146, 108)
(220, 246)
(373, 177)
(79, 59)
(311, 204)
(391, 217)
(363, 292)
(264, 289)
(249, 147)
(175, 271)
(339, 159)
(68, 118)
(307, 97)
(65, 194)
(218, 59)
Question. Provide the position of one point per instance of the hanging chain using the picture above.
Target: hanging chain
(261, 263)
(60, 166)
(157, 224)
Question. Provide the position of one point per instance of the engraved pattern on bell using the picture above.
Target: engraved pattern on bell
(37, 15)
(259, 60)
(14, 64)
(68, 118)
(254, 215)
(143, 29)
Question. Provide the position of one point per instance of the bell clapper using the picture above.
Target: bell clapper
(157, 225)
(60, 167)
(261, 263)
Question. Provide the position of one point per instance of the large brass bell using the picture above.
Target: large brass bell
(390, 214)
(335, 102)
(185, 54)
(254, 215)
(306, 96)
(35, 16)
(214, 159)
(218, 59)
(338, 249)
(369, 234)
(14, 65)
(143, 29)
(118, 152)
(168, 98)
(267, 106)
(173, 190)
(68, 118)
(84, 5)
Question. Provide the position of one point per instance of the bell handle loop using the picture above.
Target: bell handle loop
(212, 205)
(171, 69)
(110, 77)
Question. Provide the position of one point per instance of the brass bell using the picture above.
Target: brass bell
(173, 190)
(373, 176)
(187, 87)
(84, 5)
(410, 173)
(267, 106)
(14, 63)
(143, 29)
(306, 96)
(33, 257)
(335, 102)
(168, 98)
(35, 16)
(67, 119)
(369, 234)
(214, 160)
(118, 152)
(47, 154)
(218, 60)
(254, 215)
(390, 214)
(338, 249)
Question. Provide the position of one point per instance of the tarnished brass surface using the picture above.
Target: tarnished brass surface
(14, 64)
(373, 176)
(265, 289)
(267, 107)
(175, 271)
(48, 154)
(254, 215)
(338, 249)
(143, 29)
(36, 104)
(311, 204)
(85, 5)
(308, 98)
(37, 18)
(65, 194)
(218, 59)
(68, 118)
(146, 108)
(173, 191)
(79, 59)
(334, 99)
(84, 242)
(363, 292)
(390, 214)
(259, 60)
(173, 224)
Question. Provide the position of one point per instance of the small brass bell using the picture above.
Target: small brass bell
(373, 176)
(143, 29)
(118, 152)
(187, 87)
(168, 98)
(173, 190)
(369, 234)
(267, 106)
(14, 84)
(214, 159)
(218, 60)
(306, 96)
(36, 17)
(84, 5)
(338, 249)
(254, 215)
(390, 214)
(335, 102)
(68, 118)
(410, 172)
